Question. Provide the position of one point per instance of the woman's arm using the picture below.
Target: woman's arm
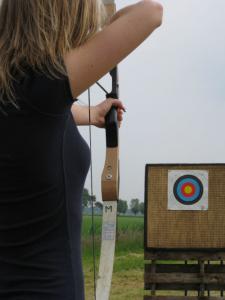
(88, 63)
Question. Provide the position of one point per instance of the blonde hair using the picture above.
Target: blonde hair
(39, 33)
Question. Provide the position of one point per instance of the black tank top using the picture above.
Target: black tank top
(43, 165)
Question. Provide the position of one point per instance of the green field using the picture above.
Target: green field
(128, 281)
(129, 261)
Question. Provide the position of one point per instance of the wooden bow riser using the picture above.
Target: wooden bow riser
(110, 175)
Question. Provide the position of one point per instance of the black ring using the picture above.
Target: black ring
(176, 185)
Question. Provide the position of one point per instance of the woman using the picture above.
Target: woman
(50, 52)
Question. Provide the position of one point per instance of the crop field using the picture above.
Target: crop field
(128, 272)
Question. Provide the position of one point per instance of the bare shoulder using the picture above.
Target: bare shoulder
(86, 64)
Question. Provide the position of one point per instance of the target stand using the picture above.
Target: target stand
(185, 232)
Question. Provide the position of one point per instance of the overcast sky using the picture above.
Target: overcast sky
(173, 87)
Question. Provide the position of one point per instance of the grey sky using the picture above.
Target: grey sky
(173, 89)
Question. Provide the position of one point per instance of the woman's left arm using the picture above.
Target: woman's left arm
(80, 114)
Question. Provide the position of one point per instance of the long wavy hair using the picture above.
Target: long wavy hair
(39, 33)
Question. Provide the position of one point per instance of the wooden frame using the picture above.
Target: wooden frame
(183, 273)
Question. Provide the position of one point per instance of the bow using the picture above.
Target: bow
(110, 187)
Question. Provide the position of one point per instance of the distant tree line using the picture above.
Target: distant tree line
(135, 206)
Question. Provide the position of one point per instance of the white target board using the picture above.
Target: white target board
(188, 190)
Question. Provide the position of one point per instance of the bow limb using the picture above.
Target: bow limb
(110, 188)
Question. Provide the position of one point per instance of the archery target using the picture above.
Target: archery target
(187, 190)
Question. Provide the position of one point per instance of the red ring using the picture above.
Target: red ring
(183, 190)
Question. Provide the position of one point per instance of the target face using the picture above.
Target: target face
(188, 190)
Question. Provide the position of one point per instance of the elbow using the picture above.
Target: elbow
(155, 10)
(158, 14)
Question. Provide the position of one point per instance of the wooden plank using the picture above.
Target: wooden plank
(186, 278)
(202, 276)
(183, 287)
(153, 269)
(184, 268)
(168, 254)
(182, 298)
(172, 287)
(186, 290)
(222, 291)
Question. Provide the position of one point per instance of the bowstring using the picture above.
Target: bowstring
(92, 194)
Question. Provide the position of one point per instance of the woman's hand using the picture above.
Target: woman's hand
(99, 111)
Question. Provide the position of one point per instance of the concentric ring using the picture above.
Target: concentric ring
(188, 189)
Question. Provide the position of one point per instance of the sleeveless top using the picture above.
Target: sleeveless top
(43, 165)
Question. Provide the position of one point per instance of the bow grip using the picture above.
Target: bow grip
(111, 125)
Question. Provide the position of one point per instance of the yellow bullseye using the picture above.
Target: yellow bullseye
(188, 190)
